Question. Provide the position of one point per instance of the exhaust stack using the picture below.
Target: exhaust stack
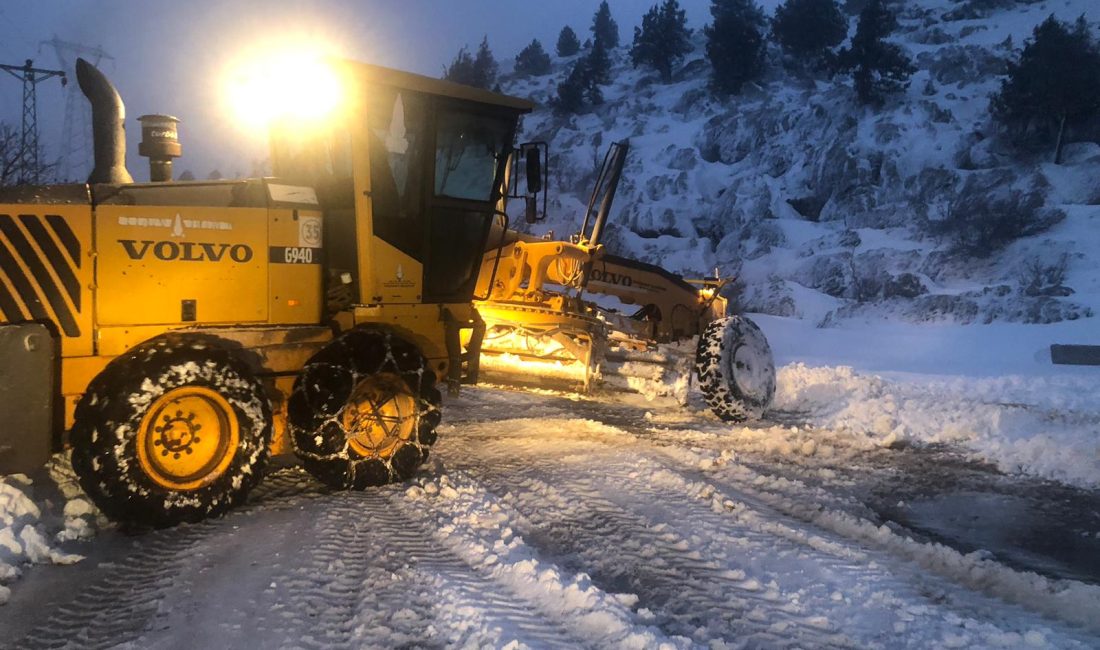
(160, 143)
(108, 130)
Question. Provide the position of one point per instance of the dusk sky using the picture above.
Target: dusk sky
(170, 57)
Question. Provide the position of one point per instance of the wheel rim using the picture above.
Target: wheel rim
(753, 369)
(381, 415)
(188, 438)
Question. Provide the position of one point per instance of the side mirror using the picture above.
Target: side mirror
(534, 170)
(532, 213)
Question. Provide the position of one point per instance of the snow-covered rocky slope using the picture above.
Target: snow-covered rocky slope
(827, 210)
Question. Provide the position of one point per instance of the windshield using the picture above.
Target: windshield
(312, 158)
(466, 153)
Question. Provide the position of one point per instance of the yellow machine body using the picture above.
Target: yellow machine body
(548, 318)
(364, 223)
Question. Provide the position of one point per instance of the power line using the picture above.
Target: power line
(75, 146)
(28, 144)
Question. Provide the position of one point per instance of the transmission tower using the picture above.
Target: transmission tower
(76, 143)
(28, 143)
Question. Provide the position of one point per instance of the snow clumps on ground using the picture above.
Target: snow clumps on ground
(37, 515)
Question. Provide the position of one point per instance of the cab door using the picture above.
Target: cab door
(471, 145)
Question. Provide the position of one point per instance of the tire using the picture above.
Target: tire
(364, 410)
(175, 430)
(735, 368)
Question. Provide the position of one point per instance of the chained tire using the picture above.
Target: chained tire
(364, 410)
(735, 369)
(175, 430)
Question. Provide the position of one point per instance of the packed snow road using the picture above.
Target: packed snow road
(545, 521)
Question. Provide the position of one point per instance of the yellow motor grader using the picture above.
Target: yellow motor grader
(556, 315)
(175, 334)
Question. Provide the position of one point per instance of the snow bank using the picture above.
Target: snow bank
(990, 390)
(1048, 427)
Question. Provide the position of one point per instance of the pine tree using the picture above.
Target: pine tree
(571, 91)
(485, 66)
(533, 60)
(568, 44)
(877, 67)
(807, 29)
(461, 69)
(1055, 81)
(604, 28)
(479, 71)
(735, 43)
(598, 64)
(662, 40)
(581, 88)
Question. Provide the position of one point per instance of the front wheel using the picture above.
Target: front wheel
(175, 430)
(364, 410)
(735, 368)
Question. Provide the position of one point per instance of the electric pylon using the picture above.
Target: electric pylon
(28, 143)
(75, 147)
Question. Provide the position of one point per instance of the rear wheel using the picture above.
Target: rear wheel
(735, 368)
(175, 430)
(364, 410)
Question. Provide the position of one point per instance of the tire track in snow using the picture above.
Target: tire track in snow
(568, 518)
(738, 479)
(468, 594)
(376, 578)
(118, 607)
(1061, 600)
(558, 495)
(1055, 598)
(356, 571)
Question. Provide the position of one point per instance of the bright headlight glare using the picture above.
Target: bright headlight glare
(287, 86)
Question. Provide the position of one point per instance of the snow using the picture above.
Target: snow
(547, 521)
(477, 526)
(24, 530)
(990, 390)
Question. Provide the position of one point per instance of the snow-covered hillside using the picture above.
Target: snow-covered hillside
(827, 210)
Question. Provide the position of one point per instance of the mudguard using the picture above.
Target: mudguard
(28, 396)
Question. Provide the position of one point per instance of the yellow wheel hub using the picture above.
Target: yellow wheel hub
(187, 438)
(380, 416)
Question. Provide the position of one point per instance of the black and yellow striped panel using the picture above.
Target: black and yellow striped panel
(39, 262)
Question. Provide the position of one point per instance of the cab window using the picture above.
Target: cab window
(467, 149)
(396, 140)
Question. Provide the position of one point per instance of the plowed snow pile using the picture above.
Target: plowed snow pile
(1031, 417)
(38, 514)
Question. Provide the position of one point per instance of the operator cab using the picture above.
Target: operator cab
(411, 172)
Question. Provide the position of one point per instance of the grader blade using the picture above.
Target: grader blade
(664, 371)
(532, 348)
(515, 355)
